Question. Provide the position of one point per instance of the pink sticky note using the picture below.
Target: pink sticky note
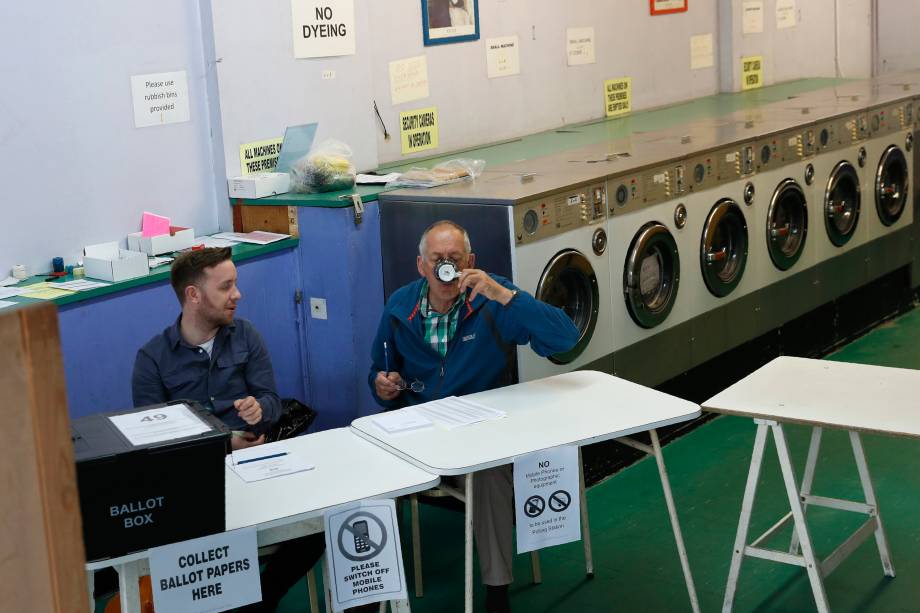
(154, 225)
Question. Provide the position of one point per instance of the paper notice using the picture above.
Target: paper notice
(752, 17)
(785, 14)
(409, 79)
(701, 51)
(579, 46)
(503, 57)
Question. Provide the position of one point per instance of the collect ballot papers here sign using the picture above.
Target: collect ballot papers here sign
(212, 573)
(365, 558)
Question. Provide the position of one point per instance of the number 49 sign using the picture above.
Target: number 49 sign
(159, 424)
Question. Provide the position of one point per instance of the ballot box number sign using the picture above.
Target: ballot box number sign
(366, 561)
(212, 573)
(546, 498)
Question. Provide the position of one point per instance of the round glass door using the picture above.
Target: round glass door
(891, 185)
(651, 275)
(787, 224)
(841, 203)
(569, 282)
(724, 247)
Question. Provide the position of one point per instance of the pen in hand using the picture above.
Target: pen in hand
(386, 358)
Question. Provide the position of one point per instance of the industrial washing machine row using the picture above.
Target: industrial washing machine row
(674, 246)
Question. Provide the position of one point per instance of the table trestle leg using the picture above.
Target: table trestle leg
(585, 524)
(468, 547)
(869, 491)
(808, 480)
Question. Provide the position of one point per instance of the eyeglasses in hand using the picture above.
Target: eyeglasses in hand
(416, 386)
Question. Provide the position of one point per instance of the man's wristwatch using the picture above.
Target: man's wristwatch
(514, 294)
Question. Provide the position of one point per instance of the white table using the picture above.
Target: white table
(576, 408)
(823, 394)
(347, 469)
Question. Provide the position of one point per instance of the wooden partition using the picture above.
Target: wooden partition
(41, 541)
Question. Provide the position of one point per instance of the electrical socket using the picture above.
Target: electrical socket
(318, 308)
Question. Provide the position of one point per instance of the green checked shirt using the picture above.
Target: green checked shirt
(439, 328)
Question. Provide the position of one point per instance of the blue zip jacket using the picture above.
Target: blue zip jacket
(475, 361)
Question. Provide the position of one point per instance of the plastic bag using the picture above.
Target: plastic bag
(442, 174)
(327, 168)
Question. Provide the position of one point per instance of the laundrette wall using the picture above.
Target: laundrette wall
(77, 172)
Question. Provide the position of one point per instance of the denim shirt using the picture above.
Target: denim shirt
(168, 368)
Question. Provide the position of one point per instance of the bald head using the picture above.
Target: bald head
(445, 226)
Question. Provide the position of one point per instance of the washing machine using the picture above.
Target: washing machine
(889, 163)
(549, 237)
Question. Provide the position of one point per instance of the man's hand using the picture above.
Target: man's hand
(244, 440)
(249, 410)
(481, 283)
(388, 384)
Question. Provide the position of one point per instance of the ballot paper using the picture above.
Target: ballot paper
(211, 241)
(362, 179)
(9, 292)
(6, 303)
(452, 412)
(265, 462)
(403, 420)
(79, 285)
(9, 281)
(155, 261)
(160, 424)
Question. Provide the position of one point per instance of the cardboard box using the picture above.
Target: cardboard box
(177, 240)
(137, 496)
(106, 261)
(259, 185)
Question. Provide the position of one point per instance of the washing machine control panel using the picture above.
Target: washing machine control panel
(856, 128)
(891, 118)
(560, 212)
(786, 148)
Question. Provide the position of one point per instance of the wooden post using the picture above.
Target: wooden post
(41, 535)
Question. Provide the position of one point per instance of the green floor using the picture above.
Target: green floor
(636, 565)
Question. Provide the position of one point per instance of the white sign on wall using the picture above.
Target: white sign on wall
(364, 554)
(160, 98)
(502, 56)
(785, 14)
(212, 573)
(547, 499)
(579, 46)
(409, 79)
(701, 55)
(323, 28)
(752, 17)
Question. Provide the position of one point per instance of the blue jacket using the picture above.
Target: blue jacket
(475, 359)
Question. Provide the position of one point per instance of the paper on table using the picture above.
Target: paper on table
(9, 281)
(266, 461)
(153, 262)
(78, 285)
(9, 292)
(402, 420)
(6, 303)
(362, 179)
(210, 241)
(103, 251)
(258, 237)
(46, 293)
(159, 424)
(154, 225)
(452, 412)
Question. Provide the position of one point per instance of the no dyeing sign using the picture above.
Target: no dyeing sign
(362, 545)
(323, 28)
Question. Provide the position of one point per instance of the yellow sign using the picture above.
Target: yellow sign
(751, 72)
(618, 96)
(260, 156)
(419, 129)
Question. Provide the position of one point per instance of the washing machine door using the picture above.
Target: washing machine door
(841, 203)
(651, 275)
(724, 247)
(569, 282)
(787, 224)
(891, 185)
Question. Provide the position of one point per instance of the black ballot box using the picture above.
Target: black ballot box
(149, 476)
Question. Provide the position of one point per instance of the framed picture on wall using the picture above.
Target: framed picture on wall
(663, 7)
(450, 21)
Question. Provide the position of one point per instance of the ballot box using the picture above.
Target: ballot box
(149, 476)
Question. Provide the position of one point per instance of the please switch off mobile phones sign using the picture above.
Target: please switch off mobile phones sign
(365, 559)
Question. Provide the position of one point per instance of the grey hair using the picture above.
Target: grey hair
(468, 248)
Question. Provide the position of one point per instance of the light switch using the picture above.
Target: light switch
(318, 308)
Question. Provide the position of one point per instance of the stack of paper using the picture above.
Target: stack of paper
(257, 238)
(402, 420)
(266, 461)
(79, 285)
(210, 241)
(9, 292)
(452, 412)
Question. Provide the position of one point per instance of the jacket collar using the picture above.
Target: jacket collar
(408, 307)
(174, 335)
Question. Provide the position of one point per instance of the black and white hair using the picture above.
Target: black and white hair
(467, 247)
